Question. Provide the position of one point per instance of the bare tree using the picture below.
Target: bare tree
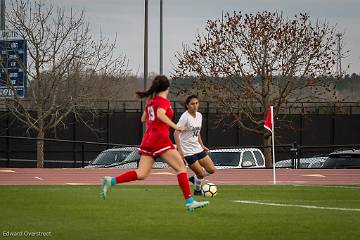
(249, 62)
(109, 87)
(61, 49)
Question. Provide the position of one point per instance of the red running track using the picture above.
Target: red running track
(80, 176)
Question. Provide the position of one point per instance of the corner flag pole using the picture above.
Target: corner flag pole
(273, 142)
(269, 125)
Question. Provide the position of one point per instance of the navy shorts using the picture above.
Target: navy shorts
(193, 158)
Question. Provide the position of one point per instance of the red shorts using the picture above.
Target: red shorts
(155, 144)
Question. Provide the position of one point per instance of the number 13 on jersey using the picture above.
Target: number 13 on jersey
(151, 113)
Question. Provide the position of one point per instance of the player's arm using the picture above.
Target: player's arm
(201, 143)
(182, 122)
(178, 142)
(161, 115)
(143, 117)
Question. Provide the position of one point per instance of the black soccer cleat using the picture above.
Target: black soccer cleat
(192, 179)
(197, 193)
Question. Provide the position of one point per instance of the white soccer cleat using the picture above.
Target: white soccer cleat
(195, 204)
(106, 186)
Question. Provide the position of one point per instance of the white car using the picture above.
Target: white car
(311, 162)
(237, 158)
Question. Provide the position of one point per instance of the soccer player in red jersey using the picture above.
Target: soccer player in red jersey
(156, 142)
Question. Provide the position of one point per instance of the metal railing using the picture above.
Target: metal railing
(213, 106)
(21, 152)
(63, 153)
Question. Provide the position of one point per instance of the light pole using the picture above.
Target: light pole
(161, 36)
(2, 17)
(146, 45)
(339, 55)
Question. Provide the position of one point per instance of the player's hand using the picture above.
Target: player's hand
(205, 149)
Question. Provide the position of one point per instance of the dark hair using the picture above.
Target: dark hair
(188, 99)
(159, 84)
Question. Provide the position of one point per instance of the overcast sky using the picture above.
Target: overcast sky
(184, 18)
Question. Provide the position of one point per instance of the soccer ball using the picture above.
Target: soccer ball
(209, 190)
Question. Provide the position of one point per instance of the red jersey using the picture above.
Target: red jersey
(152, 121)
(156, 139)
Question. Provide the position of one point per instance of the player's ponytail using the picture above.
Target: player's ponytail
(159, 84)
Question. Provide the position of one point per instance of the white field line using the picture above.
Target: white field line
(297, 206)
(327, 186)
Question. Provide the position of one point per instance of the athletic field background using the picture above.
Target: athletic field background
(158, 212)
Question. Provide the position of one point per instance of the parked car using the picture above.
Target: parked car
(311, 162)
(238, 158)
(125, 157)
(111, 156)
(343, 159)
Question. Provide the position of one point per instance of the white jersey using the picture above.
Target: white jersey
(190, 139)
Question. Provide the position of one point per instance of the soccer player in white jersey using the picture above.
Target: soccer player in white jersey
(190, 144)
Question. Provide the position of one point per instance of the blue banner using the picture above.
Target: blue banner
(12, 67)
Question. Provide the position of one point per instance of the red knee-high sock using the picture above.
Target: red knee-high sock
(184, 184)
(126, 177)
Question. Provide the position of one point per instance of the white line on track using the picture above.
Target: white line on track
(7, 171)
(39, 178)
(163, 173)
(297, 206)
(75, 184)
(313, 175)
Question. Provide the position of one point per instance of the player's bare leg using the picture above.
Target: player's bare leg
(198, 177)
(145, 166)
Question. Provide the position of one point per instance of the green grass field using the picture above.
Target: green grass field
(158, 212)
